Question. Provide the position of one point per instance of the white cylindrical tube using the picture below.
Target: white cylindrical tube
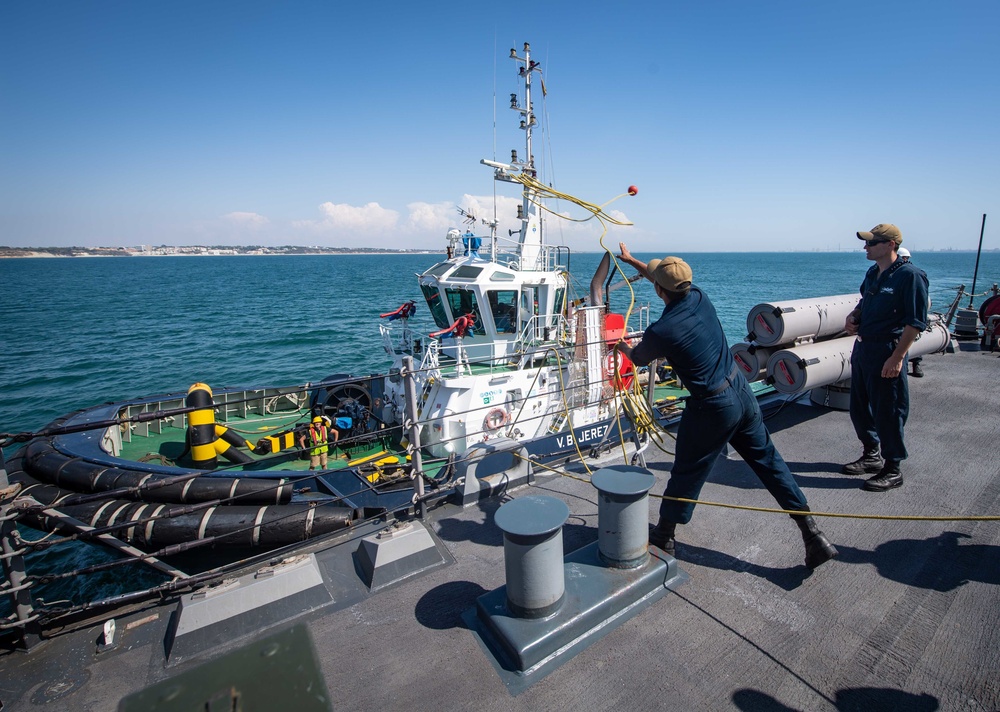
(784, 322)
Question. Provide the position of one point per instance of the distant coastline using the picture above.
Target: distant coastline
(196, 251)
(254, 250)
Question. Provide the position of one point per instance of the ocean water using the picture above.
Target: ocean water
(76, 332)
(80, 331)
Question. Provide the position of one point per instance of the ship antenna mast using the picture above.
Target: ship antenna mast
(528, 212)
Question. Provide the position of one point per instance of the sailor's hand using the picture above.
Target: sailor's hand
(892, 367)
(625, 254)
(851, 325)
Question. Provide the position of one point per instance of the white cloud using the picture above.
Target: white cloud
(436, 218)
(430, 217)
(426, 224)
(340, 217)
(246, 220)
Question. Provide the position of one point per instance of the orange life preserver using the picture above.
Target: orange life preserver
(622, 379)
(495, 419)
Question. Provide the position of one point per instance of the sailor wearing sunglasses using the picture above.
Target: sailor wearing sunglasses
(891, 314)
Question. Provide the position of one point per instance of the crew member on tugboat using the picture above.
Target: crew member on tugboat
(722, 408)
(318, 435)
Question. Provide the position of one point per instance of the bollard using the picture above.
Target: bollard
(533, 554)
(966, 325)
(623, 515)
(554, 606)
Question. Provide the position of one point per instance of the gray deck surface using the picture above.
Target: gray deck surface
(906, 618)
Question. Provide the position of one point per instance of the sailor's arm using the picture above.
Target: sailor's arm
(627, 258)
(624, 348)
(852, 322)
(894, 364)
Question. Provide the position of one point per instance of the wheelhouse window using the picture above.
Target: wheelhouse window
(503, 306)
(433, 298)
(466, 272)
(462, 302)
(560, 305)
(438, 269)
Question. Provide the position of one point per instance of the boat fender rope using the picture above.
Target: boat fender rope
(95, 479)
(256, 525)
(232, 490)
(277, 492)
(204, 522)
(144, 480)
(184, 490)
(152, 520)
(97, 514)
(310, 516)
(114, 515)
(136, 516)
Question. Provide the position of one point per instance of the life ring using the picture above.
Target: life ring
(495, 419)
(622, 380)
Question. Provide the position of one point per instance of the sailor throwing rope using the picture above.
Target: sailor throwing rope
(722, 408)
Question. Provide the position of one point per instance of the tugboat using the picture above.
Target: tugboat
(516, 366)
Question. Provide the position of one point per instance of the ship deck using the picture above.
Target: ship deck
(907, 617)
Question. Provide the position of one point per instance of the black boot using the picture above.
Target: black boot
(887, 479)
(662, 536)
(869, 463)
(917, 371)
(819, 550)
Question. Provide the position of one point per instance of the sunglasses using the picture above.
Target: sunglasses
(872, 243)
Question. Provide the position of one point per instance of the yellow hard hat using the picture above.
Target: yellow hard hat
(317, 419)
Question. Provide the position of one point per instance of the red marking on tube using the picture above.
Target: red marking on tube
(743, 364)
(784, 370)
(760, 318)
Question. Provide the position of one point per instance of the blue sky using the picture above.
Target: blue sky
(745, 125)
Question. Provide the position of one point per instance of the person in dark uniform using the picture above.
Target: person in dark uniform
(721, 409)
(891, 314)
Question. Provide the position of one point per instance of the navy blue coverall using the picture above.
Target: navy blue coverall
(879, 406)
(722, 408)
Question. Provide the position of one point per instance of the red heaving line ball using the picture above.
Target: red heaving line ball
(632, 190)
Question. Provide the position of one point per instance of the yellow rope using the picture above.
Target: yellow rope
(771, 510)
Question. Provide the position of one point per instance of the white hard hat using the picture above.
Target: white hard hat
(903, 252)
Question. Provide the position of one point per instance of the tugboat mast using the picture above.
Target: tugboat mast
(530, 241)
(531, 224)
(528, 120)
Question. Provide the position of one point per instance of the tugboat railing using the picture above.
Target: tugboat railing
(12, 559)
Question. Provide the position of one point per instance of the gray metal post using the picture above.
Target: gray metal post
(623, 515)
(651, 382)
(954, 306)
(533, 554)
(975, 274)
(13, 567)
(413, 433)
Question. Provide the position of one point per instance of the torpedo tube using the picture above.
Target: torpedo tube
(806, 366)
(786, 322)
(751, 359)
